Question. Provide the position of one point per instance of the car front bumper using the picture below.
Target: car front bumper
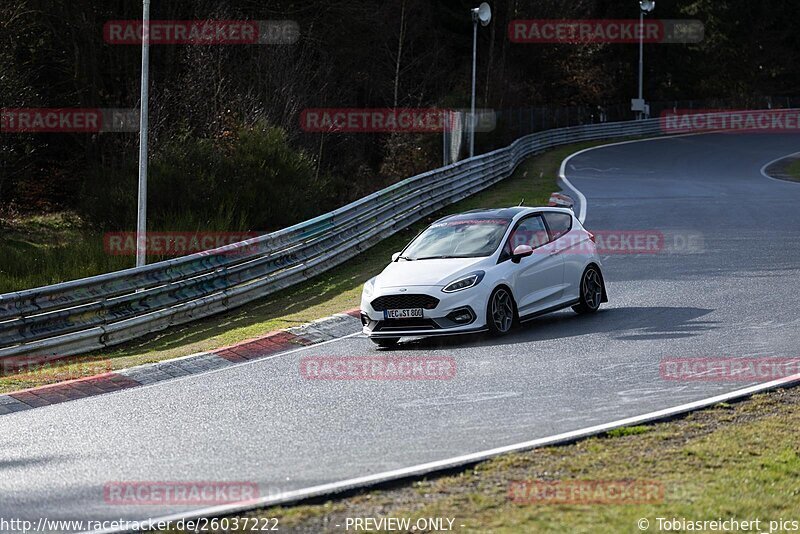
(447, 318)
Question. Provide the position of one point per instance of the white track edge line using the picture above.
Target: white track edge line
(776, 160)
(456, 461)
(233, 365)
(238, 364)
(173, 380)
(581, 197)
(482, 455)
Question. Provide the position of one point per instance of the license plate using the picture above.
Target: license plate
(410, 313)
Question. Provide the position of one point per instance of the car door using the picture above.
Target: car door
(538, 278)
(568, 243)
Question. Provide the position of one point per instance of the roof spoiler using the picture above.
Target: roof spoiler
(560, 200)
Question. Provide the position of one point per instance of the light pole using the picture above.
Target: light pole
(141, 217)
(482, 14)
(645, 6)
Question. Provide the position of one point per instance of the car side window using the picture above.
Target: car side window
(531, 231)
(559, 223)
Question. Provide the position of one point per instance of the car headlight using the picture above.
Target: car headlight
(465, 282)
(369, 287)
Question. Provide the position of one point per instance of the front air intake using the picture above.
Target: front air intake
(402, 302)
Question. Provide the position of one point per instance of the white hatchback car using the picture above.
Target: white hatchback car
(484, 270)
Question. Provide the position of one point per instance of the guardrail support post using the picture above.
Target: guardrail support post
(141, 217)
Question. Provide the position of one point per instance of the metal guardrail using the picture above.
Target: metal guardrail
(92, 313)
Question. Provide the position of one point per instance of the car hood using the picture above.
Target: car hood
(436, 272)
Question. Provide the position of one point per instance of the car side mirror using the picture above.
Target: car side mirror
(522, 251)
(396, 255)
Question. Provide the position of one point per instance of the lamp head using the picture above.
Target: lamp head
(482, 14)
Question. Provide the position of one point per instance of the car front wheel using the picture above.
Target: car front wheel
(501, 312)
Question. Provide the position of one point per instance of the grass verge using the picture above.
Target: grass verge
(793, 170)
(337, 290)
(787, 168)
(47, 249)
(737, 460)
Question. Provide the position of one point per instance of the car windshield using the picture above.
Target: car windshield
(458, 238)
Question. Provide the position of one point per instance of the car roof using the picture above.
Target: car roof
(548, 208)
(504, 213)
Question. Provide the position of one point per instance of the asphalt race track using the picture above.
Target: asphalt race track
(725, 284)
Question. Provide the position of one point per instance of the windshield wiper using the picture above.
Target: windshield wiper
(405, 258)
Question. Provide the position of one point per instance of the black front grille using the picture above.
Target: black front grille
(405, 324)
(402, 302)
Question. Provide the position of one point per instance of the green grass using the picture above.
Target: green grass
(628, 431)
(47, 249)
(739, 461)
(332, 292)
(793, 170)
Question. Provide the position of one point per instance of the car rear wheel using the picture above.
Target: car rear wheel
(386, 342)
(591, 291)
(501, 312)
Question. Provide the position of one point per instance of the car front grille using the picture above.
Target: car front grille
(398, 325)
(402, 302)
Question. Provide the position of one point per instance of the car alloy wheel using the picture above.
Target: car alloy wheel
(591, 291)
(501, 312)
